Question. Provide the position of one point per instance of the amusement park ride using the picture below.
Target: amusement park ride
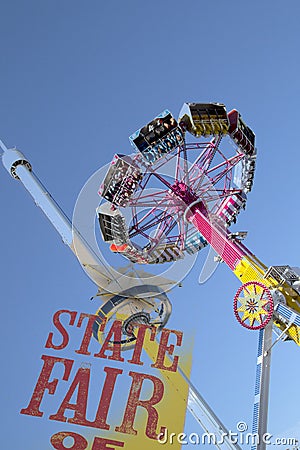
(180, 191)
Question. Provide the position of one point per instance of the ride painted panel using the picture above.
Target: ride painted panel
(158, 138)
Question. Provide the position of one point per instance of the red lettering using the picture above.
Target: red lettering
(140, 338)
(114, 345)
(134, 401)
(81, 383)
(80, 443)
(106, 396)
(84, 348)
(101, 444)
(57, 440)
(61, 329)
(43, 383)
(164, 348)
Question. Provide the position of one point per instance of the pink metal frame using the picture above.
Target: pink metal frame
(203, 180)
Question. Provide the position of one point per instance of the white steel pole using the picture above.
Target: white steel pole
(19, 168)
(262, 384)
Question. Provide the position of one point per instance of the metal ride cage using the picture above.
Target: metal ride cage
(195, 207)
(204, 169)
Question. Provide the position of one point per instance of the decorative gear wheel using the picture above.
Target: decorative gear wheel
(253, 305)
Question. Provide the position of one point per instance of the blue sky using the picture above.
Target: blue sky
(77, 78)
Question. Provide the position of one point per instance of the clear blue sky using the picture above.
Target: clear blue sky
(76, 79)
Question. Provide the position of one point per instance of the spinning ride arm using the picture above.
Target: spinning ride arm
(20, 169)
(124, 296)
(281, 281)
(207, 194)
